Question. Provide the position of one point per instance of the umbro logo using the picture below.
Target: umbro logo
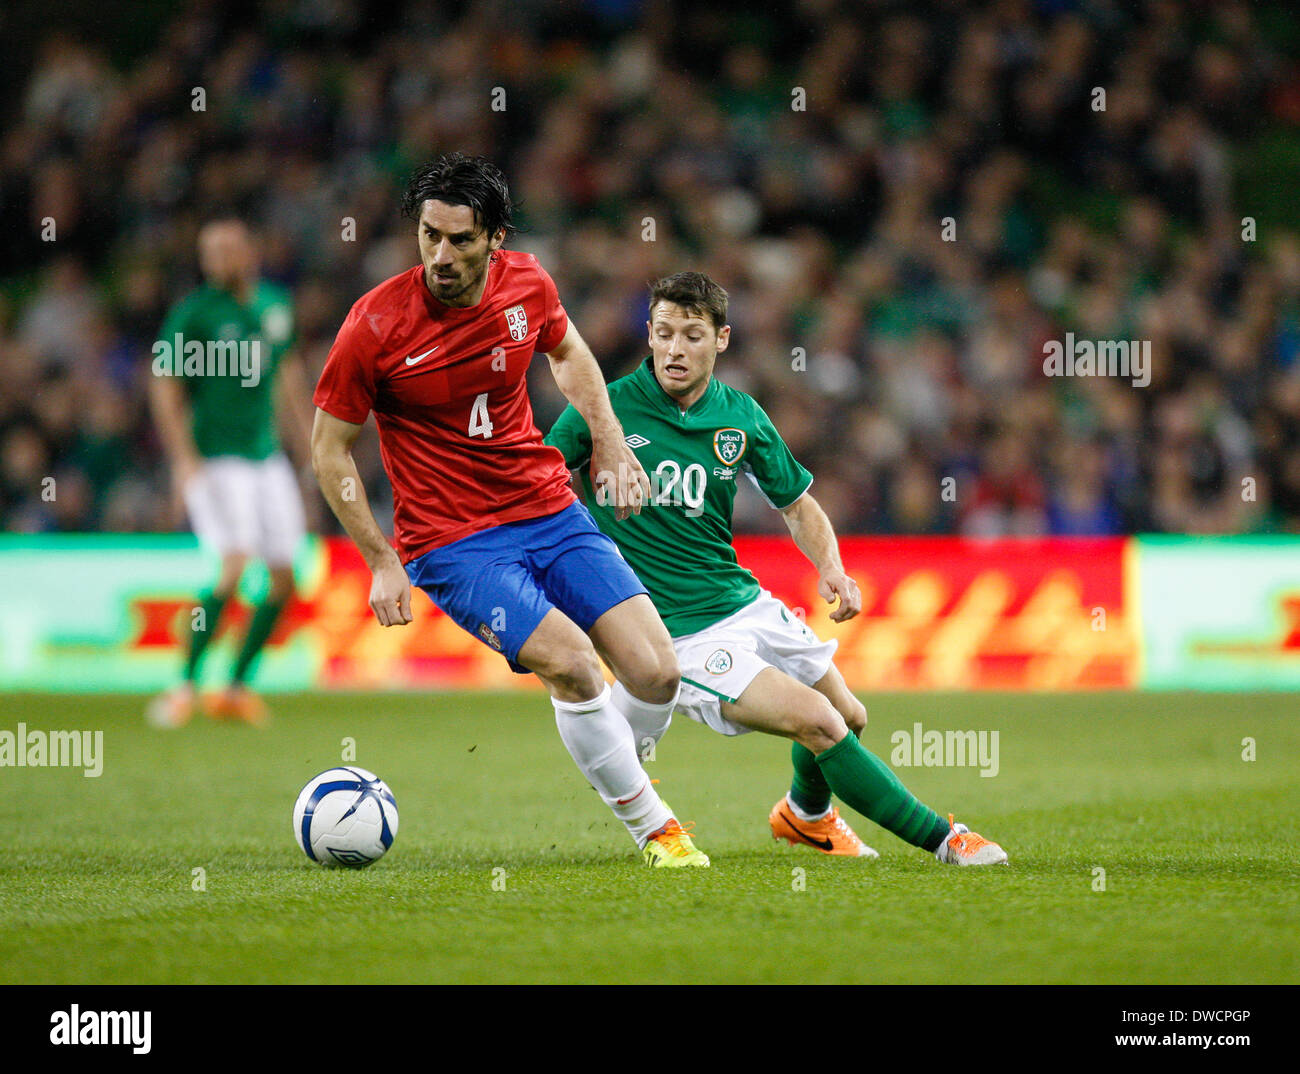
(412, 361)
(636, 441)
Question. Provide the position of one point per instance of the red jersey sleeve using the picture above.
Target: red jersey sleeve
(557, 320)
(346, 388)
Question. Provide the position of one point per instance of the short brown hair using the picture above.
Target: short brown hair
(695, 293)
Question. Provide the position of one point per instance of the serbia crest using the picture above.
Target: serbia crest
(729, 445)
(517, 322)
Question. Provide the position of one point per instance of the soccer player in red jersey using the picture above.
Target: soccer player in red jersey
(483, 516)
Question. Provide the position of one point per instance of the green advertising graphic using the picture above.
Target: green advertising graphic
(1219, 613)
(108, 613)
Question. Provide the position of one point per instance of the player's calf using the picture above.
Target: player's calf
(649, 722)
(634, 642)
(596, 735)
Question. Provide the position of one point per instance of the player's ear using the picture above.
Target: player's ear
(724, 337)
(494, 243)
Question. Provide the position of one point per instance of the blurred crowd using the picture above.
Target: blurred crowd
(906, 201)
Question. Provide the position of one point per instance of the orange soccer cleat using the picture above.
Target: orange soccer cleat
(964, 847)
(239, 705)
(829, 834)
(175, 708)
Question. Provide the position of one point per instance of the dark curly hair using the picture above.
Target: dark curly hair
(461, 180)
(695, 293)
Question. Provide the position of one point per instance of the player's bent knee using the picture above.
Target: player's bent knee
(856, 716)
(658, 681)
(819, 726)
(572, 673)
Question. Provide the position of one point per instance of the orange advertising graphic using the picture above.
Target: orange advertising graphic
(938, 613)
(948, 613)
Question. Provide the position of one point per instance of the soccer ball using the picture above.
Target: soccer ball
(346, 816)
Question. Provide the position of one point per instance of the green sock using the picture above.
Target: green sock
(259, 629)
(865, 782)
(809, 789)
(212, 605)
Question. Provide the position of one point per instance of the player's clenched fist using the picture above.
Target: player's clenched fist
(390, 594)
(838, 584)
(619, 479)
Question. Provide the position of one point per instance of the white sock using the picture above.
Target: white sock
(804, 814)
(600, 742)
(648, 721)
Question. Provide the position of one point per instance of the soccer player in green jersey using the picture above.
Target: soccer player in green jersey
(222, 366)
(748, 663)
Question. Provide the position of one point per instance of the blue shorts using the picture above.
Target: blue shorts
(499, 584)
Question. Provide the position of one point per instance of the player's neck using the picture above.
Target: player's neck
(240, 290)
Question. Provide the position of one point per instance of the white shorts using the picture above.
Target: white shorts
(247, 506)
(719, 661)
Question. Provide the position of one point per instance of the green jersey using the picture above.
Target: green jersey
(680, 543)
(207, 338)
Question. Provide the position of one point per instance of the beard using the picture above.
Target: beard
(465, 281)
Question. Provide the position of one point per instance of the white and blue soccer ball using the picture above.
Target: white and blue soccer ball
(345, 816)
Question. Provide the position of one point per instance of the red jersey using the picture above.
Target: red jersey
(449, 390)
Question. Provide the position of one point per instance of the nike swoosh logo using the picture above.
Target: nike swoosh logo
(825, 844)
(624, 801)
(412, 361)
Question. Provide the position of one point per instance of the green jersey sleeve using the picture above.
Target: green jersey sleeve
(772, 466)
(277, 321)
(571, 435)
(178, 322)
(175, 322)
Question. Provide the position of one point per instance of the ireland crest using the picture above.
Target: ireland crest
(718, 663)
(729, 445)
(517, 322)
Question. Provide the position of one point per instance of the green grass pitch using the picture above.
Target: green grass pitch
(97, 876)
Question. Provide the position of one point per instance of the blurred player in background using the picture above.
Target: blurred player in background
(747, 662)
(484, 519)
(216, 416)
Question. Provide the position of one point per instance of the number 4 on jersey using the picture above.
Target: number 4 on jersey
(479, 423)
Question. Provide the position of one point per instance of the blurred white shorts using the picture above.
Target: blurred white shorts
(248, 506)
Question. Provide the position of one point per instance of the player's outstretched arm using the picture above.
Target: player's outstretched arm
(615, 470)
(340, 483)
(813, 533)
